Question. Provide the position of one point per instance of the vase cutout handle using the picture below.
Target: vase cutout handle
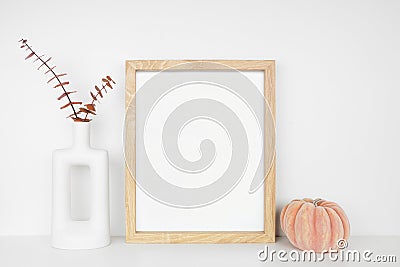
(68, 232)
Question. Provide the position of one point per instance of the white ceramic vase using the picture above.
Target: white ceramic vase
(94, 230)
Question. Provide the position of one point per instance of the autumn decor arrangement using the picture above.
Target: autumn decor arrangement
(317, 225)
(75, 230)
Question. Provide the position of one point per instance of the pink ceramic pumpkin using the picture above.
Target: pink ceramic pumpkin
(314, 224)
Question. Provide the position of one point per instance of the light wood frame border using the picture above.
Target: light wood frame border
(268, 235)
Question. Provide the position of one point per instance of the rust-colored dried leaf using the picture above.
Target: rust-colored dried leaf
(30, 55)
(72, 115)
(71, 103)
(61, 84)
(109, 85)
(44, 63)
(65, 94)
(36, 59)
(51, 69)
(58, 75)
(111, 80)
(98, 91)
(87, 111)
(93, 96)
(90, 107)
(104, 80)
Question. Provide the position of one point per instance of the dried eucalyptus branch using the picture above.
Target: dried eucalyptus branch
(88, 108)
(45, 63)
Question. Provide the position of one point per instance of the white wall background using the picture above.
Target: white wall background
(338, 93)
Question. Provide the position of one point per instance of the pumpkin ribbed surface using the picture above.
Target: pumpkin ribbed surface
(314, 224)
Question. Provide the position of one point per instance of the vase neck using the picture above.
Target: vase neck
(81, 134)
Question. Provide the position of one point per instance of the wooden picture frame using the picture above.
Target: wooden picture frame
(134, 236)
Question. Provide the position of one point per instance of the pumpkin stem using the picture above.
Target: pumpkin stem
(315, 202)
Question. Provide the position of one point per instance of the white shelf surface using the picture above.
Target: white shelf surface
(36, 251)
